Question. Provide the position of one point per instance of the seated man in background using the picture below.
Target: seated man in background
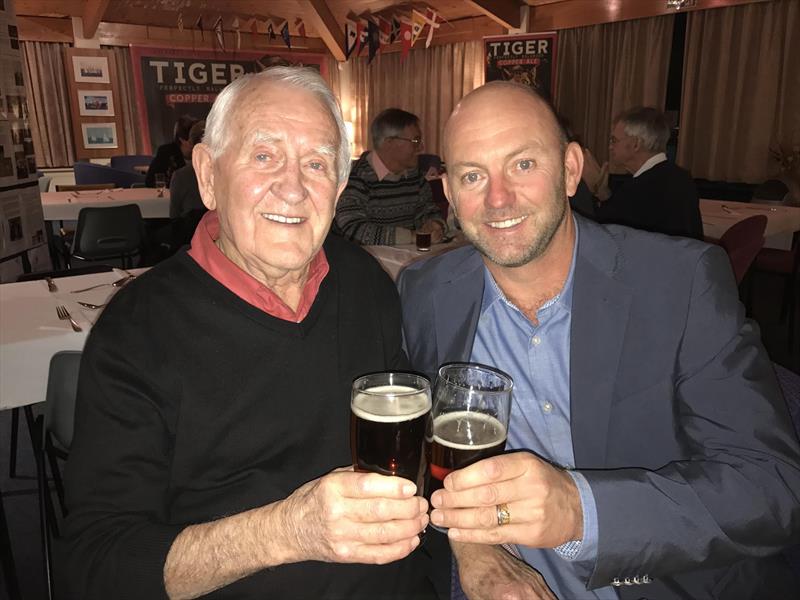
(172, 156)
(661, 197)
(650, 451)
(185, 203)
(213, 403)
(387, 199)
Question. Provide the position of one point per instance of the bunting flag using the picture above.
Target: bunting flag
(237, 33)
(417, 25)
(271, 30)
(431, 18)
(301, 27)
(386, 30)
(405, 37)
(373, 38)
(199, 25)
(287, 39)
(350, 36)
(362, 29)
(254, 26)
(395, 30)
(180, 21)
(219, 34)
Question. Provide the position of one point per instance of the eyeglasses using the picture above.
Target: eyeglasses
(416, 141)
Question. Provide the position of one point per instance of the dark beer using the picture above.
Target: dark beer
(460, 439)
(388, 437)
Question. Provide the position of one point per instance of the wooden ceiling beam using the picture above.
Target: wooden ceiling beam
(93, 12)
(320, 16)
(504, 12)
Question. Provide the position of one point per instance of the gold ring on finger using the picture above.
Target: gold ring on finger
(503, 514)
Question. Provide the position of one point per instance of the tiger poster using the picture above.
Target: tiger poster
(528, 58)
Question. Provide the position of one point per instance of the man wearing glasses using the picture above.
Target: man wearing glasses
(387, 199)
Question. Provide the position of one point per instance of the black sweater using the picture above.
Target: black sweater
(193, 405)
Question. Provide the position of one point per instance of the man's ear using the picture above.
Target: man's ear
(573, 167)
(204, 169)
(448, 193)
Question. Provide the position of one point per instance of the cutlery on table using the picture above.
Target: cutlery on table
(51, 285)
(118, 283)
(64, 315)
(92, 306)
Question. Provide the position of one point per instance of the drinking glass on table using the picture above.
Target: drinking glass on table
(388, 417)
(469, 419)
(161, 183)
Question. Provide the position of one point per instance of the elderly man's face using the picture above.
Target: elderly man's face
(274, 186)
(405, 147)
(507, 178)
(621, 146)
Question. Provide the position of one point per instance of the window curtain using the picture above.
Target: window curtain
(605, 69)
(127, 100)
(48, 104)
(429, 83)
(741, 90)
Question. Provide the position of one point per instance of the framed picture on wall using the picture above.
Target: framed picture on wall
(96, 103)
(90, 69)
(99, 135)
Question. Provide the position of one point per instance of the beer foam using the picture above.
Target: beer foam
(402, 404)
(466, 430)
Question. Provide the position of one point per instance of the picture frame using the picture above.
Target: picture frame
(90, 69)
(96, 103)
(99, 135)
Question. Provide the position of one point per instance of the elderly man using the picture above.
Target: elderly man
(387, 199)
(213, 402)
(172, 156)
(651, 451)
(661, 196)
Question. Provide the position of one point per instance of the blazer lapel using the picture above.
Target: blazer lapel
(600, 308)
(457, 304)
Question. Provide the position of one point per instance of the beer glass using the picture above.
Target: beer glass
(469, 419)
(388, 417)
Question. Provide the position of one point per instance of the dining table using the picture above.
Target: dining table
(395, 258)
(782, 220)
(65, 206)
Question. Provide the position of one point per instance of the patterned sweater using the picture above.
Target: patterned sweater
(383, 212)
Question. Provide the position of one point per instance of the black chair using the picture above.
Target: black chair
(772, 191)
(109, 233)
(55, 427)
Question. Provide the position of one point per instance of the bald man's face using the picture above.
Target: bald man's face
(507, 178)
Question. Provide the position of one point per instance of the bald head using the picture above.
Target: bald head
(507, 96)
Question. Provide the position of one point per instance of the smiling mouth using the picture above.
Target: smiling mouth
(507, 223)
(282, 219)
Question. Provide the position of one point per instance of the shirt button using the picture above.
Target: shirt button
(536, 340)
(547, 407)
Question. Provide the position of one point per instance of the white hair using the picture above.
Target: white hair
(217, 135)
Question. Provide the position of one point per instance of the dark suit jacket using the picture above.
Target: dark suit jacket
(663, 199)
(677, 420)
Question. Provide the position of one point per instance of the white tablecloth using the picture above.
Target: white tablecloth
(65, 206)
(31, 332)
(394, 258)
(782, 221)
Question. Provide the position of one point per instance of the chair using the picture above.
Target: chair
(54, 438)
(126, 162)
(426, 161)
(94, 173)
(44, 183)
(742, 243)
(84, 187)
(109, 233)
(772, 191)
(786, 264)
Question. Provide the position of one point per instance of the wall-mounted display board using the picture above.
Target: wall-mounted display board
(93, 86)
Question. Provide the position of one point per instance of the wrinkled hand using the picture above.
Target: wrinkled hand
(543, 501)
(435, 228)
(356, 518)
(491, 573)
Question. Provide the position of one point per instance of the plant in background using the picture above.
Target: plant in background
(787, 157)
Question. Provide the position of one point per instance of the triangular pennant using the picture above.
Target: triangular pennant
(199, 25)
(395, 35)
(301, 27)
(180, 21)
(271, 30)
(219, 34)
(254, 26)
(405, 37)
(237, 32)
(430, 17)
(287, 39)
(350, 36)
(417, 25)
(386, 30)
(361, 33)
(374, 39)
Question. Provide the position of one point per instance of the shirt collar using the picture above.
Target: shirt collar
(205, 253)
(650, 163)
(381, 170)
(492, 292)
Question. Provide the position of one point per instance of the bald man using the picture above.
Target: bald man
(649, 450)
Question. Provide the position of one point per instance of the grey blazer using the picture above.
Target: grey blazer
(677, 420)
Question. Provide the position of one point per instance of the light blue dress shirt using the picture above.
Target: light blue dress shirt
(537, 358)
